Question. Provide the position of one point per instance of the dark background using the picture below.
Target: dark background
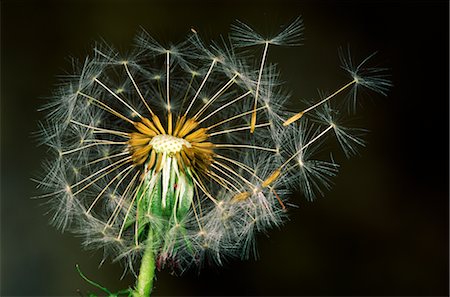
(382, 230)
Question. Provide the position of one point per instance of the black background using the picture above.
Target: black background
(382, 230)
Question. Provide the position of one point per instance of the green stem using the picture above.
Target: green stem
(147, 271)
(91, 282)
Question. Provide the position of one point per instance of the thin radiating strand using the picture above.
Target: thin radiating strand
(114, 132)
(237, 129)
(118, 98)
(224, 106)
(103, 175)
(104, 141)
(187, 91)
(235, 173)
(87, 146)
(134, 192)
(200, 184)
(234, 117)
(297, 116)
(115, 166)
(330, 96)
(109, 132)
(219, 180)
(120, 200)
(116, 211)
(106, 158)
(240, 165)
(87, 178)
(224, 182)
(230, 145)
(252, 186)
(161, 96)
(97, 198)
(197, 196)
(308, 144)
(168, 80)
(137, 88)
(107, 108)
(201, 86)
(196, 215)
(215, 96)
(247, 212)
(253, 173)
(99, 177)
(253, 120)
(267, 207)
(96, 179)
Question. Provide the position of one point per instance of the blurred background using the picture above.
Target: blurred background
(382, 230)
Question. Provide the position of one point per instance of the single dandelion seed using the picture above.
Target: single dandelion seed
(151, 156)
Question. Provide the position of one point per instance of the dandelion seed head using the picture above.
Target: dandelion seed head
(168, 144)
(184, 148)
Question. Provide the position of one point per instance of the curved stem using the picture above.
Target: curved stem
(92, 282)
(147, 270)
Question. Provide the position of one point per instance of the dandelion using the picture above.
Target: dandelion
(172, 156)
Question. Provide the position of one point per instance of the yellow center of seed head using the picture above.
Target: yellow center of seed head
(168, 144)
(185, 142)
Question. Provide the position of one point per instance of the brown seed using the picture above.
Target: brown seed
(197, 136)
(138, 135)
(159, 164)
(189, 152)
(158, 124)
(179, 161)
(139, 161)
(185, 158)
(240, 197)
(144, 129)
(273, 177)
(179, 125)
(206, 145)
(293, 118)
(151, 161)
(135, 141)
(253, 121)
(187, 127)
(142, 151)
(149, 124)
(200, 150)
